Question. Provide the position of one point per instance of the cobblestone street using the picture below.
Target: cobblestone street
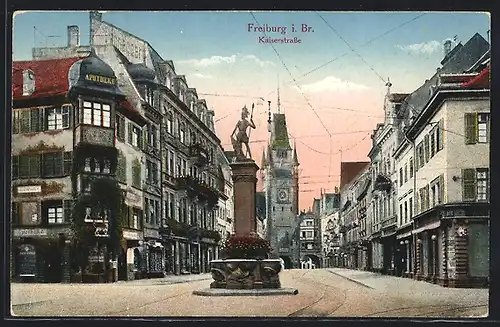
(322, 293)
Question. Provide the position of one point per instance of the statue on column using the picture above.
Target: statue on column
(240, 136)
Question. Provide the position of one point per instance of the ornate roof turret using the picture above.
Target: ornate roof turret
(93, 74)
(141, 73)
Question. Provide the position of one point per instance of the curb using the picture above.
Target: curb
(246, 292)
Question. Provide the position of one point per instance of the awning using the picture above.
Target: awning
(427, 227)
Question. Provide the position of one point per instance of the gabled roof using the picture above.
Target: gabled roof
(51, 77)
(349, 170)
(461, 58)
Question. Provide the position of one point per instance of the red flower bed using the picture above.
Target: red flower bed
(246, 247)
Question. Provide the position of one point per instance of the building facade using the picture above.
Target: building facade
(165, 142)
(329, 206)
(349, 222)
(310, 241)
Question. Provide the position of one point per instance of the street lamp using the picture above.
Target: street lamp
(434, 256)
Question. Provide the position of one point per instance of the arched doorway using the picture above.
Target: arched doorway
(310, 261)
(287, 262)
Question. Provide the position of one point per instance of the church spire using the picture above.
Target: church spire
(295, 157)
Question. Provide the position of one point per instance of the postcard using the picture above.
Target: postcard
(250, 164)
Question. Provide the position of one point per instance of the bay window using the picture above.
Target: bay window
(97, 114)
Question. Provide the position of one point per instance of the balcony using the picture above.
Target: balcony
(198, 154)
(94, 135)
(169, 180)
(193, 232)
(197, 188)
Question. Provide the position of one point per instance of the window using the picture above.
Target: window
(151, 172)
(309, 234)
(120, 128)
(420, 153)
(411, 167)
(406, 173)
(182, 131)
(151, 135)
(482, 180)
(28, 82)
(149, 95)
(410, 205)
(477, 127)
(58, 118)
(482, 127)
(25, 166)
(52, 164)
(309, 223)
(54, 212)
(401, 176)
(27, 120)
(134, 135)
(406, 211)
(170, 123)
(97, 114)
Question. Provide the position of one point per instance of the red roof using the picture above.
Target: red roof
(349, 170)
(51, 77)
(482, 80)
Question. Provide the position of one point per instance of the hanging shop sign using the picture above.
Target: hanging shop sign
(129, 235)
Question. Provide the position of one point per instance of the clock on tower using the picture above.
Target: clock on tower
(283, 196)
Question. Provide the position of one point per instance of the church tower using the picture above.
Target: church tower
(280, 180)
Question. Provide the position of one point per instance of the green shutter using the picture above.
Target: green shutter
(35, 120)
(34, 166)
(130, 133)
(468, 184)
(470, 128)
(426, 148)
(441, 189)
(15, 167)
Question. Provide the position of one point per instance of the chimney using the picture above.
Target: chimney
(447, 47)
(73, 36)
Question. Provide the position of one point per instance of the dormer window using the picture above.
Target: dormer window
(28, 82)
(168, 81)
(181, 94)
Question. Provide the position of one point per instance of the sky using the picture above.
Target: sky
(331, 84)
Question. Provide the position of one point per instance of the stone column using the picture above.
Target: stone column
(177, 259)
(244, 186)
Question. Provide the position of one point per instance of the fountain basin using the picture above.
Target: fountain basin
(245, 273)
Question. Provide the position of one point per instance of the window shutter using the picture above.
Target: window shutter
(440, 135)
(35, 166)
(130, 216)
(130, 133)
(35, 120)
(15, 167)
(426, 148)
(67, 208)
(71, 110)
(470, 128)
(468, 184)
(417, 200)
(144, 138)
(122, 128)
(441, 189)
